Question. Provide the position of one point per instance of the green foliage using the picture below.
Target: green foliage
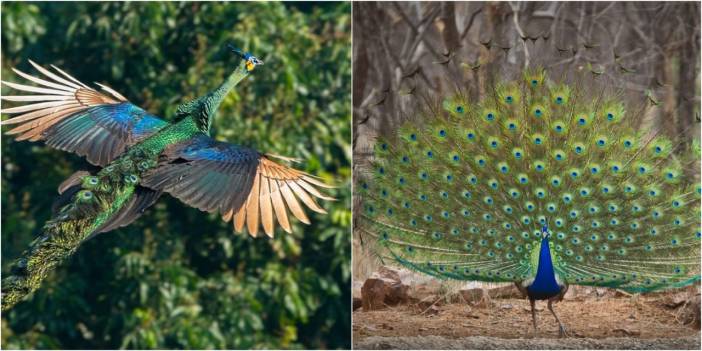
(178, 277)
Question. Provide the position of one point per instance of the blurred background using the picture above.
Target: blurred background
(178, 277)
(648, 54)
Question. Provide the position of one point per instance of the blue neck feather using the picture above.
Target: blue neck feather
(544, 284)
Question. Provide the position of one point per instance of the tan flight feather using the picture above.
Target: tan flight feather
(240, 219)
(252, 207)
(266, 207)
(279, 206)
(60, 99)
(292, 202)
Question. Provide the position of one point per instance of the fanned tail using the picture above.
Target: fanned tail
(463, 191)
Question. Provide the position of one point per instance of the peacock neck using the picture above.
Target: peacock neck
(215, 97)
(234, 78)
(544, 284)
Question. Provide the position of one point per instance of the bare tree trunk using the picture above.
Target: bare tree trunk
(450, 32)
(687, 73)
(360, 58)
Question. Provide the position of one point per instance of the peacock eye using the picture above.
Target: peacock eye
(508, 99)
(459, 109)
(559, 100)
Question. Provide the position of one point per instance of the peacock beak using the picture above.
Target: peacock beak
(252, 62)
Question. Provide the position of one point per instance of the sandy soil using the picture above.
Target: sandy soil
(608, 323)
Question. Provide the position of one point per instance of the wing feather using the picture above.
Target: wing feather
(240, 219)
(33, 107)
(310, 189)
(266, 207)
(43, 82)
(73, 79)
(56, 78)
(306, 199)
(252, 207)
(31, 89)
(279, 206)
(292, 202)
(244, 186)
(71, 116)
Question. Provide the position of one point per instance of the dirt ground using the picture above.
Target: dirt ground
(607, 323)
(490, 343)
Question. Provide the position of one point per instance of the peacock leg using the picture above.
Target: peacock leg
(533, 313)
(561, 328)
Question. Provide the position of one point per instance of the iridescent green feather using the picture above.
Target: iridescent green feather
(465, 196)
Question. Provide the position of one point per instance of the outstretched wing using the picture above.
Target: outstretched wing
(241, 184)
(71, 116)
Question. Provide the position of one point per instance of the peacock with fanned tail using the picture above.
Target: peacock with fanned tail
(537, 183)
(141, 157)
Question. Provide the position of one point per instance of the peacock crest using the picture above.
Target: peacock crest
(468, 190)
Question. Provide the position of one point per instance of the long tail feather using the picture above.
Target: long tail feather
(74, 223)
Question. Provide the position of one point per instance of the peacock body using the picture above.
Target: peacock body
(142, 157)
(537, 183)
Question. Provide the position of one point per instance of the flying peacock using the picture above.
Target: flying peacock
(141, 157)
(539, 183)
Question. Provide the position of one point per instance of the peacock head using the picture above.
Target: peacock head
(251, 61)
(544, 230)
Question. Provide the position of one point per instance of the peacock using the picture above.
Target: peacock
(141, 156)
(540, 183)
